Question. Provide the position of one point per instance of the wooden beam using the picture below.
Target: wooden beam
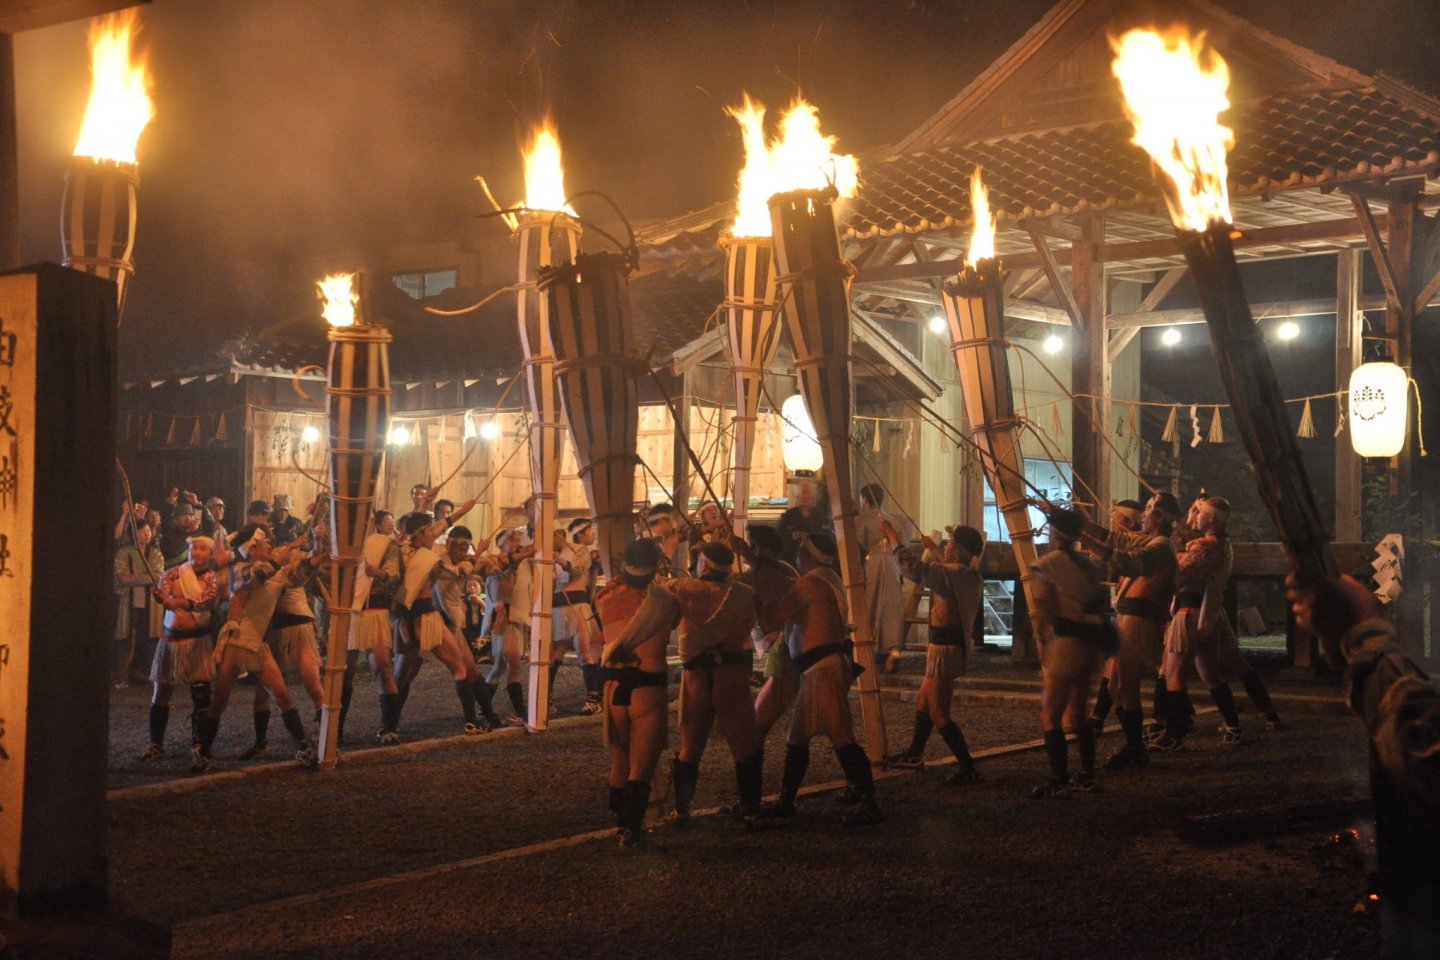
(1349, 328)
(1371, 231)
(1263, 311)
(1057, 284)
(891, 354)
(1162, 289)
(1089, 373)
(18, 16)
(1427, 293)
(1347, 230)
(1058, 229)
(1119, 340)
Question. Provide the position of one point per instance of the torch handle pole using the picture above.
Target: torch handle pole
(337, 657)
(1257, 404)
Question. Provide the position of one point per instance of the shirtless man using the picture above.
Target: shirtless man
(183, 652)
(573, 616)
(770, 577)
(714, 614)
(956, 592)
(663, 521)
(635, 680)
(1145, 562)
(371, 629)
(507, 619)
(1124, 518)
(423, 628)
(256, 584)
(1070, 629)
(816, 609)
(456, 571)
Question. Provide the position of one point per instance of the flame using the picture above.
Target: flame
(544, 173)
(982, 232)
(120, 106)
(800, 157)
(340, 296)
(1174, 89)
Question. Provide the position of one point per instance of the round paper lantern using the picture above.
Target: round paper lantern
(801, 450)
(1379, 409)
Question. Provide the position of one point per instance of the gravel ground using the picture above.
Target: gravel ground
(982, 870)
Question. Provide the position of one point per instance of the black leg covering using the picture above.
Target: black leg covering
(617, 802)
(465, 690)
(1258, 694)
(200, 694)
(554, 669)
(1157, 703)
(205, 729)
(1103, 700)
(632, 814)
(400, 699)
(262, 727)
(346, 692)
(1177, 716)
(389, 712)
(517, 697)
(159, 720)
(1132, 722)
(857, 769)
(294, 725)
(1085, 740)
(593, 685)
(923, 726)
(485, 698)
(749, 777)
(1187, 708)
(797, 761)
(1224, 699)
(955, 740)
(686, 776)
(1055, 753)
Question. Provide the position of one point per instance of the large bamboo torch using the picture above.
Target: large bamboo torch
(97, 212)
(800, 156)
(1174, 92)
(358, 403)
(975, 306)
(547, 234)
(590, 323)
(817, 313)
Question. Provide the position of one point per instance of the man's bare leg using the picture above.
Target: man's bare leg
(697, 714)
(735, 715)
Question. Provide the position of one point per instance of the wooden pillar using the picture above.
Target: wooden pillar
(1088, 455)
(1349, 327)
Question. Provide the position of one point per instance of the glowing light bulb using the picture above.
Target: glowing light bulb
(400, 435)
(1054, 344)
(1288, 330)
(490, 430)
(310, 434)
(937, 323)
(1170, 337)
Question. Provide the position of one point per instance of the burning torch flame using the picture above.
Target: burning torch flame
(982, 231)
(120, 106)
(799, 158)
(1175, 90)
(338, 292)
(544, 173)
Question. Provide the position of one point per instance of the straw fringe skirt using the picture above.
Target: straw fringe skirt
(287, 643)
(370, 630)
(183, 661)
(429, 630)
(231, 654)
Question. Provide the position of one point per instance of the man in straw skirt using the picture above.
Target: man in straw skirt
(714, 613)
(371, 629)
(257, 580)
(1145, 564)
(816, 609)
(956, 592)
(184, 652)
(573, 614)
(424, 628)
(635, 677)
(1074, 635)
(508, 576)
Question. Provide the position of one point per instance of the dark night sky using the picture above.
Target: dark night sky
(289, 129)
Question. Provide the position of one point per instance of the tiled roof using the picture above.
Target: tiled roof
(1281, 142)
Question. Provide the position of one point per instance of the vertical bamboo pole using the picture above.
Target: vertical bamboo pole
(753, 330)
(544, 239)
(975, 307)
(817, 314)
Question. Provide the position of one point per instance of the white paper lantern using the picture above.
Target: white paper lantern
(801, 450)
(1379, 409)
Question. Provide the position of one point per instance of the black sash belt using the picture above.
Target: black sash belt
(809, 658)
(1142, 607)
(191, 634)
(1189, 598)
(569, 599)
(711, 659)
(947, 636)
(282, 620)
(628, 679)
(1094, 632)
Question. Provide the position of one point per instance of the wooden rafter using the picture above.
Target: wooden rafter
(1381, 255)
